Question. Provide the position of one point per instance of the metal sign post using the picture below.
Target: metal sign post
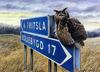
(49, 66)
(55, 67)
(31, 60)
(25, 58)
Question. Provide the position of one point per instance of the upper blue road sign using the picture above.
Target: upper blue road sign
(37, 25)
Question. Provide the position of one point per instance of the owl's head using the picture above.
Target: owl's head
(59, 14)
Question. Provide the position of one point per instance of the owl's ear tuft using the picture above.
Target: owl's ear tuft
(56, 11)
(65, 9)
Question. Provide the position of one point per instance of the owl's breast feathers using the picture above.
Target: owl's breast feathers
(63, 35)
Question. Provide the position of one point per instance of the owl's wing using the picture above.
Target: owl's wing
(74, 20)
(80, 31)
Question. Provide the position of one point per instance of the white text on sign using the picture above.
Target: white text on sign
(35, 25)
(39, 44)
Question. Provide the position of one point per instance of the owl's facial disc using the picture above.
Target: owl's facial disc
(61, 14)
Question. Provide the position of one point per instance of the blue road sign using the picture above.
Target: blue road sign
(51, 48)
(37, 25)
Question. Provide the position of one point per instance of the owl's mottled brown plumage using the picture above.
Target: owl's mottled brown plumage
(69, 30)
(77, 30)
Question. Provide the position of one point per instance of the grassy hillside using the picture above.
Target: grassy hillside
(11, 56)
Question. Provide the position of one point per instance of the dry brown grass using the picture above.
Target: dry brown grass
(11, 56)
(90, 55)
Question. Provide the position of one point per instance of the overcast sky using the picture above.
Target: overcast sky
(88, 11)
(77, 7)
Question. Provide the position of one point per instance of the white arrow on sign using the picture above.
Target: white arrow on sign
(68, 55)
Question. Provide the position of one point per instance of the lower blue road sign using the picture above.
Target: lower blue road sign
(51, 48)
